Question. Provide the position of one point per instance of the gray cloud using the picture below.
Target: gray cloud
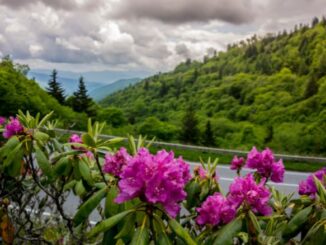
(181, 11)
(56, 4)
(138, 34)
(182, 49)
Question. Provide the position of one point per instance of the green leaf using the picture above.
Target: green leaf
(12, 154)
(296, 223)
(204, 190)
(111, 208)
(254, 221)
(321, 191)
(85, 172)
(87, 207)
(69, 185)
(38, 135)
(9, 146)
(109, 235)
(227, 233)
(79, 188)
(317, 234)
(88, 140)
(67, 153)
(107, 224)
(141, 236)
(61, 166)
(16, 163)
(127, 228)
(180, 232)
(45, 119)
(163, 239)
(43, 163)
(192, 189)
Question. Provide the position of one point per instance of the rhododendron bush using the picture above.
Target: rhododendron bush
(140, 197)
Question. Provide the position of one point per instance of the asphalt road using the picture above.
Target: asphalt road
(226, 176)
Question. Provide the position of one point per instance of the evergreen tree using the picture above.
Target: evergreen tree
(55, 88)
(164, 89)
(209, 135)
(81, 102)
(190, 132)
(315, 21)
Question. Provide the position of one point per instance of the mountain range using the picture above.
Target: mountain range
(97, 89)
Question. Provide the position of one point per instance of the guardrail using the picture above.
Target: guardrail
(297, 158)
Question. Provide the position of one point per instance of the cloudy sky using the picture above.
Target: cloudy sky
(147, 35)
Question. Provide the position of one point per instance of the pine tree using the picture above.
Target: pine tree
(55, 88)
(81, 102)
(209, 135)
(190, 132)
(315, 21)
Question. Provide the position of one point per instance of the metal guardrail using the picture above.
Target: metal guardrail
(297, 158)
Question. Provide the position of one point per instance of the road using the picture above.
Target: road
(226, 176)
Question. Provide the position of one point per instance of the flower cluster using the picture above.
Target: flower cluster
(237, 163)
(14, 127)
(156, 179)
(245, 191)
(114, 163)
(265, 164)
(308, 186)
(215, 210)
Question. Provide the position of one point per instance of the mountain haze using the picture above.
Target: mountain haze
(101, 92)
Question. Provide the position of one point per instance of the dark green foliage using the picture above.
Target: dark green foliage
(277, 80)
(81, 102)
(112, 116)
(55, 88)
(311, 88)
(152, 127)
(209, 135)
(189, 131)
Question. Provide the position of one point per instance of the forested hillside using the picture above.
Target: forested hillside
(262, 91)
(17, 92)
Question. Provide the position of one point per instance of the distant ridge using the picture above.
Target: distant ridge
(70, 85)
(101, 92)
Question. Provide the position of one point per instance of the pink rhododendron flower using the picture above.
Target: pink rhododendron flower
(201, 172)
(75, 138)
(13, 127)
(155, 179)
(265, 164)
(246, 192)
(253, 158)
(215, 210)
(278, 171)
(114, 163)
(308, 187)
(2, 120)
(237, 163)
